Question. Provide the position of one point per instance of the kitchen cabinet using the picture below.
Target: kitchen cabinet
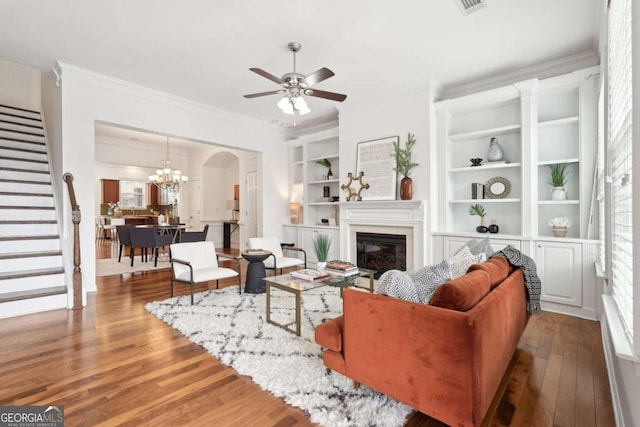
(110, 190)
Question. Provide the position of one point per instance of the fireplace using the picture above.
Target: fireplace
(381, 252)
(404, 218)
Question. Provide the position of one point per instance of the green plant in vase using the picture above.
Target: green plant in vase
(327, 164)
(478, 210)
(558, 174)
(321, 246)
(404, 164)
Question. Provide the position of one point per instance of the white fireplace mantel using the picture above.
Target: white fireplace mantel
(405, 217)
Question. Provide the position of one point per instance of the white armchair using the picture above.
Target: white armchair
(277, 260)
(197, 262)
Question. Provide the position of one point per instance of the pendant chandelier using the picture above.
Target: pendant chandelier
(167, 178)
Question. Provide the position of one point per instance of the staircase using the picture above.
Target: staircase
(31, 264)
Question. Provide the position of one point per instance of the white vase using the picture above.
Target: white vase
(495, 153)
(558, 193)
(321, 265)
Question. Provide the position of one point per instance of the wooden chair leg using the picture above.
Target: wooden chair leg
(356, 385)
(132, 254)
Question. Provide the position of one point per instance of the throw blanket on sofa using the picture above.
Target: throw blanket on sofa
(531, 279)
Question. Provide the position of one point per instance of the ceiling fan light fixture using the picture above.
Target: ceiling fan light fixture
(293, 104)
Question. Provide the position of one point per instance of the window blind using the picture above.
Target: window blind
(620, 146)
(601, 179)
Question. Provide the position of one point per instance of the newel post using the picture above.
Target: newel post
(75, 217)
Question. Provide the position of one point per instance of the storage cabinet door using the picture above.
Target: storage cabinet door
(110, 190)
(560, 271)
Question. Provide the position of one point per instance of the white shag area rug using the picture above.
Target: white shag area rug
(111, 266)
(233, 328)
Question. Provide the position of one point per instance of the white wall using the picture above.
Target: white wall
(88, 97)
(20, 86)
(398, 117)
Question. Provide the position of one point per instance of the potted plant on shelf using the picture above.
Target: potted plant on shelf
(478, 209)
(321, 246)
(557, 179)
(404, 164)
(327, 164)
(560, 224)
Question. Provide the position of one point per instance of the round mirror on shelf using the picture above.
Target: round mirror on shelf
(497, 188)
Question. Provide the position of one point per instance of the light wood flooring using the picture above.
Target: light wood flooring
(112, 363)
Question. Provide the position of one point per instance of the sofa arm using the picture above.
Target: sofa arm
(329, 334)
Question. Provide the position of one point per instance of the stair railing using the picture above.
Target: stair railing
(75, 217)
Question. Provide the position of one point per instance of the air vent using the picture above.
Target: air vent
(468, 6)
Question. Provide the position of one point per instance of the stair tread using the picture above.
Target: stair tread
(24, 181)
(28, 221)
(21, 132)
(36, 208)
(22, 193)
(20, 159)
(20, 124)
(26, 141)
(32, 293)
(26, 110)
(23, 150)
(6, 275)
(41, 237)
(2, 168)
(34, 254)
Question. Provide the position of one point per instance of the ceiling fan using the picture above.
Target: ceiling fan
(295, 84)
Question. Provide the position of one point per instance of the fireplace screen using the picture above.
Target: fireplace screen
(381, 252)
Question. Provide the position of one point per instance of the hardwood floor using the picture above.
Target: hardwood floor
(112, 363)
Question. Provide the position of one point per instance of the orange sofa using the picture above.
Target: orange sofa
(445, 359)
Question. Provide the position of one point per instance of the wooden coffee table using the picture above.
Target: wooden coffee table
(295, 286)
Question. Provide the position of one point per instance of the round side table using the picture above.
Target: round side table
(254, 283)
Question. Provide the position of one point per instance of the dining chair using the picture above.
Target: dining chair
(124, 238)
(194, 236)
(278, 260)
(145, 238)
(197, 262)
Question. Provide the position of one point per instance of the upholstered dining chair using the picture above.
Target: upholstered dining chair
(194, 236)
(197, 262)
(145, 238)
(278, 260)
(124, 238)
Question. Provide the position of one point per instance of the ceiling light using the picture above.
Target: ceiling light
(293, 104)
(167, 177)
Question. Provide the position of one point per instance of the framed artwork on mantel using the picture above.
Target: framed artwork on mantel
(376, 159)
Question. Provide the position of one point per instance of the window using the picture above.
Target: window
(133, 194)
(619, 151)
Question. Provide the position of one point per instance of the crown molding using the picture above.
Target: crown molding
(540, 71)
(66, 71)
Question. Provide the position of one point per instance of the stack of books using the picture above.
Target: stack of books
(309, 274)
(341, 268)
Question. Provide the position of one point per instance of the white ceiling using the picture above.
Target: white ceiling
(379, 50)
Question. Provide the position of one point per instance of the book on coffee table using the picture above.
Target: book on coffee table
(309, 274)
(341, 268)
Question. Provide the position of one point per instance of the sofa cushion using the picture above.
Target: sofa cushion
(427, 279)
(397, 284)
(329, 334)
(462, 260)
(463, 292)
(497, 267)
(478, 246)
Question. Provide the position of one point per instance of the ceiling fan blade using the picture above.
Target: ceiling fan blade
(272, 92)
(318, 76)
(267, 75)
(327, 95)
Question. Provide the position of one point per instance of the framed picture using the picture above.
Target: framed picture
(376, 159)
